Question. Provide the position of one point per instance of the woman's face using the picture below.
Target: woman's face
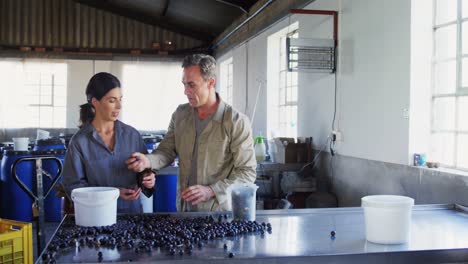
(108, 108)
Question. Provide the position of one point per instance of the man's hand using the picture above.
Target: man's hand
(137, 162)
(149, 179)
(197, 194)
(129, 194)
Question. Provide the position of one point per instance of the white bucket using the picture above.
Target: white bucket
(21, 143)
(95, 206)
(387, 218)
(42, 134)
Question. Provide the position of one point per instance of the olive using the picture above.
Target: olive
(142, 233)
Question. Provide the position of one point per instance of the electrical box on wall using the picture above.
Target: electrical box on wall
(312, 55)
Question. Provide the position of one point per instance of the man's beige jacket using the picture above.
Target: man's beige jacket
(225, 152)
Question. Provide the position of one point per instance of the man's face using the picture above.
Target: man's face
(196, 88)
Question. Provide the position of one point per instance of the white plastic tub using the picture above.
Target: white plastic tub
(20, 143)
(95, 206)
(387, 218)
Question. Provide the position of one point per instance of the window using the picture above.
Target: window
(287, 92)
(36, 94)
(151, 93)
(449, 126)
(226, 80)
(282, 86)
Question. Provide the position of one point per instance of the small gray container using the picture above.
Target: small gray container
(243, 201)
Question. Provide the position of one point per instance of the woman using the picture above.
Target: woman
(97, 152)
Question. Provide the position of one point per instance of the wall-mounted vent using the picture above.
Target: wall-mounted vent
(311, 55)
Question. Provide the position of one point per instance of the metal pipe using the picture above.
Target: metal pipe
(241, 24)
(233, 5)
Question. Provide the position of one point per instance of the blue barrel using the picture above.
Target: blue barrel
(150, 143)
(66, 138)
(3, 146)
(49, 144)
(51, 147)
(15, 203)
(166, 190)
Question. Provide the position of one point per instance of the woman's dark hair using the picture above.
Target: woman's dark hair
(99, 85)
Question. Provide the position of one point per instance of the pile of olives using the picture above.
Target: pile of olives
(143, 233)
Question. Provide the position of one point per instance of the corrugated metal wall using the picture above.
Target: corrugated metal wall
(64, 23)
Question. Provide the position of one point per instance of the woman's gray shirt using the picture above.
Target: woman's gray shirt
(88, 162)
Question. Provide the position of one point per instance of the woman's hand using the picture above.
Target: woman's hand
(149, 179)
(129, 194)
(137, 162)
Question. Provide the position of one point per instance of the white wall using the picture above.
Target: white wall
(316, 90)
(257, 93)
(375, 92)
(239, 70)
(79, 73)
(373, 78)
(239, 65)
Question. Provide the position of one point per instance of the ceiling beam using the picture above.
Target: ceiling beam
(138, 16)
(277, 11)
(166, 6)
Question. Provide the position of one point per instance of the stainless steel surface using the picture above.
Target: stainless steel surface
(439, 234)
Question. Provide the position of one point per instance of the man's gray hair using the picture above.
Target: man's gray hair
(206, 63)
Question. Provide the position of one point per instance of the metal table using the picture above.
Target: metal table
(439, 234)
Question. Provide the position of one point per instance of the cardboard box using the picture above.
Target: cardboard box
(288, 151)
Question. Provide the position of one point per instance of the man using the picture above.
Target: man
(212, 140)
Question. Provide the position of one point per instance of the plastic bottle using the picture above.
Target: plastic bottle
(272, 150)
(260, 149)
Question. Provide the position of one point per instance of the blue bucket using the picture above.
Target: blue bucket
(51, 147)
(166, 193)
(15, 203)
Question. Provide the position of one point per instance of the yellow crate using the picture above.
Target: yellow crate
(15, 242)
